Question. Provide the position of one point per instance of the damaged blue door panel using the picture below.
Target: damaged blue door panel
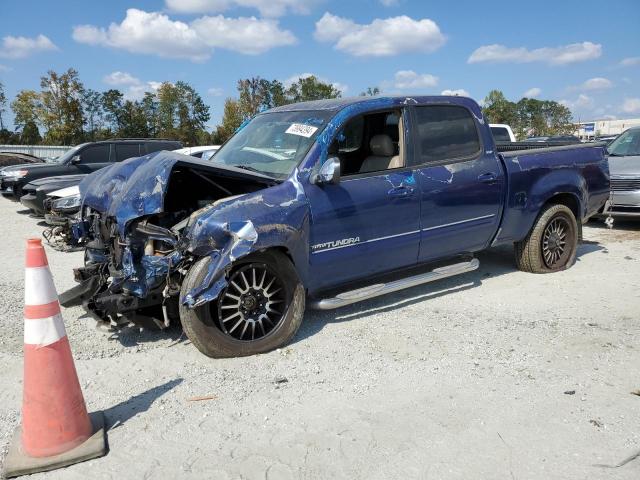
(363, 226)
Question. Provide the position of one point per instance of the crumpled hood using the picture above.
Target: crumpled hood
(624, 166)
(130, 189)
(137, 187)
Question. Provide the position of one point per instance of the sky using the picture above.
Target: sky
(584, 54)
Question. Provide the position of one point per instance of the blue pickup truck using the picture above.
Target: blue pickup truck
(322, 204)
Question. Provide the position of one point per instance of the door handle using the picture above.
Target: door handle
(489, 177)
(401, 191)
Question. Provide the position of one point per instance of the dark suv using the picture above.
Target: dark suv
(82, 159)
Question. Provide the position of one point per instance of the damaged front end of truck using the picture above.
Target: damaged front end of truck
(147, 220)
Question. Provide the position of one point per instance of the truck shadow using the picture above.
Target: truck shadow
(493, 263)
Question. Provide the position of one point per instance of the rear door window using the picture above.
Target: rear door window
(127, 150)
(95, 154)
(445, 133)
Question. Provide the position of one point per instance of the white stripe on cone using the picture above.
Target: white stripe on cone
(38, 286)
(44, 331)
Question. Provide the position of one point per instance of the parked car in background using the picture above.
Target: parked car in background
(318, 202)
(204, 152)
(82, 159)
(502, 132)
(10, 158)
(624, 165)
(61, 210)
(565, 139)
(35, 192)
(606, 139)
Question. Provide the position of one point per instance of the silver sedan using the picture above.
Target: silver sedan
(624, 168)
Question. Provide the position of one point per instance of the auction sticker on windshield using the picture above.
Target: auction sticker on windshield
(301, 129)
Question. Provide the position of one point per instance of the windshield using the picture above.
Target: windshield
(628, 143)
(66, 156)
(273, 143)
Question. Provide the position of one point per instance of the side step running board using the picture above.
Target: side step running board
(378, 289)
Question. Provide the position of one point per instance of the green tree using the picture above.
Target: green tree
(3, 105)
(181, 112)
(371, 92)
(498, 109)
(61, 107)
(112, 106)
(150, 107)
(7, 137)
(257, 94)
(25, 109)
(133, 120)
(232, 118)
(192, 113)
(310, 88)
(93, 113)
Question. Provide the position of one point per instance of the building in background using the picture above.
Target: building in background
(604, 128)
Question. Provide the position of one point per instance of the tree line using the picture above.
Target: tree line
(65, 112)
(529, 117)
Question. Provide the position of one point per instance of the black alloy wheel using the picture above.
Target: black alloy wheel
(252, 304)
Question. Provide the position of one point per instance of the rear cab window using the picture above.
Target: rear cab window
(445, 133)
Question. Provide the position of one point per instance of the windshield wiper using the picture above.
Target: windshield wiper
(251, 169)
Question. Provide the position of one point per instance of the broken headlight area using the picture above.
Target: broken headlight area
(59, 233)
(138, 251)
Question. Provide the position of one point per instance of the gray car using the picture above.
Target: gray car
(624, 168)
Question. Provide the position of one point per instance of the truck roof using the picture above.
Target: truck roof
(336, 104)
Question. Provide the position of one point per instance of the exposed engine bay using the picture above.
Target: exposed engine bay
(133, 272)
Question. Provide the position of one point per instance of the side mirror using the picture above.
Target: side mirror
(75, 159)
(329, 172)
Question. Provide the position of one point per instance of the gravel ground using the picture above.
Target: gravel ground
(466, 378)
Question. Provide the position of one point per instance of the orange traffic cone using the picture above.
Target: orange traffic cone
(56, 429)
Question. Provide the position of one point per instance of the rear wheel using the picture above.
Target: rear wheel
(552, 243)
(259, 310)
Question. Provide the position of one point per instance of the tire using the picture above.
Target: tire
(204, 326)
(539, 251)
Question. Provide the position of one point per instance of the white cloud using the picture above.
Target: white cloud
(631, 105)
(4, 68)
(247, 35)
(389, 3)
(575, 52)
(21, 47)
(532, 93)
(597, 83)
(215, 92)
(294, 78)
(382, 37)
(583, 102)
(630, 61)
(135, 88)
(120, 78)
(410, 80)
(267, 8)
(460, 92)
(156, 34)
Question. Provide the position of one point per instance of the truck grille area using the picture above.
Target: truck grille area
(625, 184)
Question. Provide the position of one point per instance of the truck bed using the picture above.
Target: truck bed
(579, 172)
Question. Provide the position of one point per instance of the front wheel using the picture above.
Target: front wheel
(552, 243)
(259, 310)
